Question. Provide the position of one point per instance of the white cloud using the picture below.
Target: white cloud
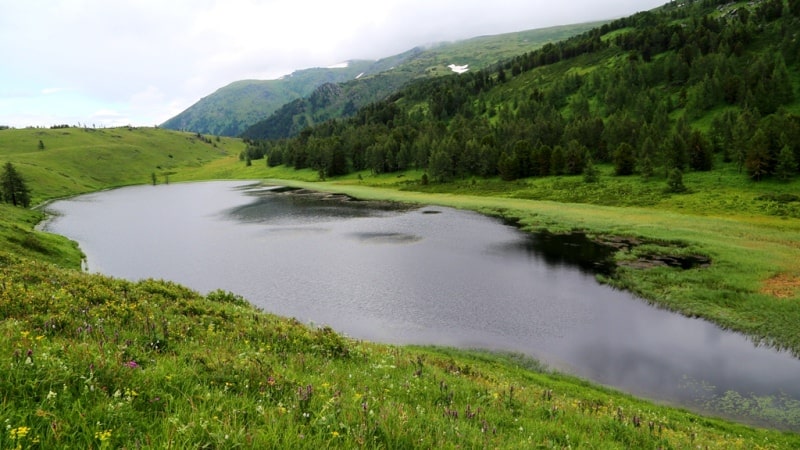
(48, 91)
(150, 59)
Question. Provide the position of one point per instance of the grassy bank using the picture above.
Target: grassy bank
(93, 362)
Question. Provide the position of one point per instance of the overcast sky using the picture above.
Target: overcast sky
(140, 62)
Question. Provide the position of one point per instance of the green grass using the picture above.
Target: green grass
(79, 160)
(18, 236)
(94, 362)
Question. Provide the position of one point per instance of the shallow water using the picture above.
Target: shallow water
(429, 275)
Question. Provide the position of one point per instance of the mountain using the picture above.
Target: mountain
(232, 109)
(229, 110)
(686, 87)
(333, 101)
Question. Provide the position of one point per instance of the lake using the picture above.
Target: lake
(426, 275)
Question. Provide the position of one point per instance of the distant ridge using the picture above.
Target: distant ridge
(233, 109)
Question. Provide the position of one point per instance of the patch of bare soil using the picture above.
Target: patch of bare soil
(782, 286)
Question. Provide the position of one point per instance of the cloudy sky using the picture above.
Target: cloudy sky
(140, 62)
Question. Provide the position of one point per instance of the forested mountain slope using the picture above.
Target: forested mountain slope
(688, 87)
(330, 101)
(234, 108)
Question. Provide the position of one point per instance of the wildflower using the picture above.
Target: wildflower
(335, 434)
(130, 394)
(132, 364)
(51, 395)
(103, 436)
(20, 432)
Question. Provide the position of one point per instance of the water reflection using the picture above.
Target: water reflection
(572, 249)
(424, 275)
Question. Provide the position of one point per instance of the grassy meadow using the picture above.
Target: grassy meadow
(71, 161)
(95, 362)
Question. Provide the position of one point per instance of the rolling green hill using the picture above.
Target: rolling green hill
(68, 161)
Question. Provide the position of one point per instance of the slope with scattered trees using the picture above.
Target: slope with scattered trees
(682, 88)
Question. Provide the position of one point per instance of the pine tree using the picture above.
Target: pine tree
(590, 172)
(646, 167)
(557, 161)
(13, 188)
(675, 181)
(624, 159)
(757, 161)
(700, 155)
(787, 164)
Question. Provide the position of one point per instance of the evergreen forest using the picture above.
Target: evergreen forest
(690, 86)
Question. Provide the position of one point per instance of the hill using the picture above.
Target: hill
(59, 162)
(231, 110)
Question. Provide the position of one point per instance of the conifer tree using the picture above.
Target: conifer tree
(757, 160)
(787, 164)
(624, 159)
(590, 172)
(675, 181)
(13, 188)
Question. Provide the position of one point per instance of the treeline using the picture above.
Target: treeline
(628, 93)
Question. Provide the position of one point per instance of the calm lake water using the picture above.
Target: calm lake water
(428, 275)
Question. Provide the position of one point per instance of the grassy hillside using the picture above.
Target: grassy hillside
(93, 362)
(79, 160)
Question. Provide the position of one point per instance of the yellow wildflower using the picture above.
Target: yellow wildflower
(103, 435)
(19, 433)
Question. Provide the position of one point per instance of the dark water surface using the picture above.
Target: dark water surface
(428, 276)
